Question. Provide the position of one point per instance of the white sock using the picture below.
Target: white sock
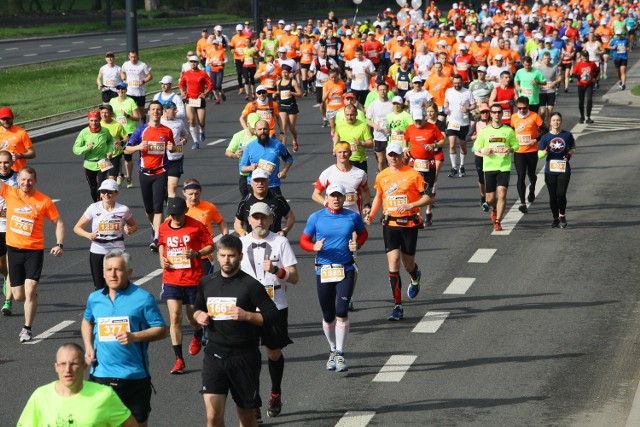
(342, 330)
(462, 159)
(194, 134)
(454, 160)
(330, 332)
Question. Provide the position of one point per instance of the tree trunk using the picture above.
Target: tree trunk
(15, 6)
(96, 5)
(37, 5)
(151, 4)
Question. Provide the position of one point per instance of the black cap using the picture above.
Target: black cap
(106, 107)
(176, 206)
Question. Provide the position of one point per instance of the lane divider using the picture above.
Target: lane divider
(49, 332)
(355, 419)
(482, 256)
(459, 286)
(393, 371)
(431, 322)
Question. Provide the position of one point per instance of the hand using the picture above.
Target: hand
(170, 145)
(317, 247)
(183, 140)
(267, 265)
(365, 211)
(56, 251)
(192, 254)
(353, 246)
(405, 207)
(240, 314)
(125, 338)
(89, 357)
(533, 142)
(368, 219)
(93, 236)
(239, 154)
(254, 166)
(90, 145)
(164, 263)
(486, 151)
(282, 174)
(128, 229)
(202, 318)
(463, 109)
(144, 145)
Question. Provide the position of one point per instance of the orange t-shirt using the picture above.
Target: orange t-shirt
(266, 112)
(437, 86)
(25, 217)
(202, 46)
(480, 52)
(349, 48)
(333, 92)
(397, 188)
(404, 50)
(215, 58)
(526, 129)
(206, 213)
(238, 43)
(269, 81)
(291, 43)
(307, 51)
(15, 140)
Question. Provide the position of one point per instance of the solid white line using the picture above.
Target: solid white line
(154, 41)
(355, 419)
(46, 334)
(122, 44)
(167, 34)
(80, 42)
(45, 45)
(182, 38)
(394, 369)
(55, 200)
(11, 48)
(148, 277)
(30, 54)
(459, 286)
(431, 322)
(63, 51)
(95, 47)
(108, 40)
(482, 256)
(217, 141)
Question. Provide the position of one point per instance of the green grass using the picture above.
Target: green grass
(64, 86)
(635, 90)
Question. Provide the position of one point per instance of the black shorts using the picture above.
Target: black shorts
(115, 170)
(380, 146)
(175, 167)
(619, 62)
(495, 179)
(24, 264)
(403, 238)
(153, 190)
(547, 99)
(563, 67)
(139, 100)
(305, 66)
(289, 109)
(278, 335)
(360, 165)
(3, 244)
(461, 133)
(108, 95)
(186, 294)
(429, 181)
(128, 157)
(319, 94)
(238, 372)
(135, 394)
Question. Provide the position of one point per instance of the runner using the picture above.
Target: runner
(553, 76)
(587, 74)
(127, 113)
(619, 47)
(15, 140)
(249, 59)
(9, 177)
(216, 60)
(108, 78)
(110, 222)
(376, 115)
(319, 70)
(332, 92)
(359, 71)
(287, 90)
(195, 85)
(504, 95)
(238, 43)
(266, 108)
(167, 94)
(458, 104)
(528, 81)
(175, 160)
(484, 120)
(120, 139)
(135, 74)
(356, 133)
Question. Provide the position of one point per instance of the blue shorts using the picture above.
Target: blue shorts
(186, 294)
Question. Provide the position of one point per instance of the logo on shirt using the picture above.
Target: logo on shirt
(557, 145)
(24, 209)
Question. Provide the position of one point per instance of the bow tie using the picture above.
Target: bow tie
(259, 245)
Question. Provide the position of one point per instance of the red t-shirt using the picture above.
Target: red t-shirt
(419, 137)
(586, 72)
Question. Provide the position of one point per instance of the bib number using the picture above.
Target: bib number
(109, 327)
(178, 258)
(524, 139)
(559, 166)
(195, 102)
(453, 126)
(270, 290)
(219, 308)
(285, 94)
(105, 165)
(394, 201)
(421, 165)
(111, 226)
(155, 147)
(331, 274)
(267, 165)
(21, 225)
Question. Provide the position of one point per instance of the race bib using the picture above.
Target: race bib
(421, 165)
(331, 51)
(109, 226)
(105, 165)
(453, 126)
(269, 83)
(350, 199)
(526, 91)
(336, 100)
(524, 139)
(219, 308)
(248, 60)
(372, 53)
(267, 165)
(270, 290)
(216, 62)
(285, 94)
(331, 274)
(134, 83)
(109, 327)
(156, 147)
(397, 137)
(360, 76)
(178, 148)
(195, 102)
(178, 258)
(264, 114)
(403, 85)
(506, 114)
(394, 201)
(306, 57)
(559, 166)
(239, 51)
(499, 149)
(110, 83)
(21, 225)
(463, 66)
(122, 120)
(622, 48)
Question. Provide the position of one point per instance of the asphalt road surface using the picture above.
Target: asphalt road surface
(533, 326)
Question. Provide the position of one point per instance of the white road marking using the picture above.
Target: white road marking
(317, 105)
(11, 48)
(122, 44)
(482, 256)
(459, 286)
(148, 277)
(80, 42)
(167, 34)
(182, 38)
(30, 54)
(108, 40)
(355, 419)
(63, 51)
(395, 368)
(95, 47)
(45, 45)
(46, 334)
(154, 41)
(431, 322)
(217, 141)
(55, 200)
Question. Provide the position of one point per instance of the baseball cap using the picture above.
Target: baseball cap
(106, 107)
(548, 40)
(336, 188)
(484, 107)
(371, 32)
(194, 58)
(349, 95)
(498, 57)
(463, 47)
(399, 38)
(397, 55)
(109, 185)
(121, 85)
(416, 79)
(169, 104)
(166, 79)
(442, 42)
(281, 21)
(261, 87)
(349, 32)
(239, 27)
(176, 206)
(217, 28)
(260, 208)
(417, 114)
(396, 100)
(95, 114)
(482, 69)
(259, 173)
(282, 50)
(395, 147)
(478, 38)
(252, 119)
(287, 27)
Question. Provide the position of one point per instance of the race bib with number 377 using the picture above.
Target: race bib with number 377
(109, 327)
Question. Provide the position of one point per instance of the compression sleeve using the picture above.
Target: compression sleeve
(306, 243)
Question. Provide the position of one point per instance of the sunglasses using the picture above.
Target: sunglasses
(194, 61)
(496, 112)
(106, 192)
(261, 92)
(523, 108)
(485, 112)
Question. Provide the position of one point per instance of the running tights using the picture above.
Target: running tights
(585, 92)
(557, 183)
(526, 164)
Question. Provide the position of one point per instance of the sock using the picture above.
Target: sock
(342, 330)
(194, 134)
(396, 286)
(201, 129)
(198, 333)
(454, 160)
(28, 328)
(414, 273)
(177, 349)
(330, 333)
(276, 371)
(462, 156)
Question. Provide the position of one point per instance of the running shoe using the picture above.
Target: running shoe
(331, 363)
(25, 335)
(589, 120)
(178, 368)
(275, 405)
(563, 222)
(497, 226)
(341, 365)
(462, 172)
(195, 146)
(494, 216)
(325, 123)
(397, 313)
(428, 219)
(351, 307)
(532, 193)
(153, 246)
(217, 102)
(623, 87)
(6, 308)
(484, 205)
(604, 76)
(453, 173)
(119, 180)
(620, 84)
(581, 120)
(195, 346)
(224, 97)
(523, 208)
(296, 147)
(202, 137)
(414, 287)
(258, 415)
(129, 183)
(555, 223)
(596, 86)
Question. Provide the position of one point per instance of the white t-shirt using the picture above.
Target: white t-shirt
(352, 180)
(177, 127)
(109, 225)
(110, 77)
(417, 100)
(360, 72)
(423, 63)
(13, 182)
(322, 77)
(135, 74)
(278, 250)
(175, 98)
(377, 113)
(455, 100)
(493, 72)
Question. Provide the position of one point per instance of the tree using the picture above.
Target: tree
(96, 5)
(151, 4)
(15, 7)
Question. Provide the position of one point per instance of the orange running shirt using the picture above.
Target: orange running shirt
(25, 217)
(397, 188)
(526, 129)
(16, 141)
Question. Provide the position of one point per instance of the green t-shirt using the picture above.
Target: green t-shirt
(127, 106)
(498, 140)
(270, 47)
(118, 133)
(397, 123)
(340, 118)
(373, 95)
(96, 405)
(102, 144)
(525, 79)
(360, 131)
(238, 143)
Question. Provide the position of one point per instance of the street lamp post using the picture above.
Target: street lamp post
(357, 3)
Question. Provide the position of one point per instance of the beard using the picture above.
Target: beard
(262, 232)
(263, 138)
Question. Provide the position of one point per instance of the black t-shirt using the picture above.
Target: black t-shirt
(250, 294)
(277, 203)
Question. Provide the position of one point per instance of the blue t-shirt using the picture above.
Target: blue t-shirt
(114, 359)
(270, 154)
(559, 146)
(618, 46)
(337, 228)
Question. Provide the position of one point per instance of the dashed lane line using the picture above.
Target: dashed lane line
(356, 419)
(482, 256)
(459, 286)
(49, 332)
(394, 370)
(431, 322)
(148, 277)
(30, 54)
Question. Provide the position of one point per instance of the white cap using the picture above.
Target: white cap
(567, 38)
(399, 38)
(299, 27)
(336, 188)
(349, 32)
(109, 185)
(166, 79)
(282, 49)
(539, 36)
(260, 208)
(397, 55)
(442, 42)
(454, 6)
(287, 27)
(507, 29)
(217, 28)
(395, 147)
(259, 173)
(396, 100)
(482, 68)
(461, 34)
(194, 58)
(371, 32)
(416, 79)
(239, 27)
(452, 28)
(281, 21)
(548, 40)
(417, 114)
(270, 67)
(260, 87)
(463, 46)
(478, 38)
(498, 57)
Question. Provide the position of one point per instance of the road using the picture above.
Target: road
(533, 326)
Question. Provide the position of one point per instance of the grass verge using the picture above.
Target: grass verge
(635, 90)
(41, 90)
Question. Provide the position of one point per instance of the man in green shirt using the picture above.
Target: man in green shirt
(528, 81)
(126, 113)
(120, 138)
(357, 134)
(495, 143)
(236, 147)
(72, 401)
(269, 46)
